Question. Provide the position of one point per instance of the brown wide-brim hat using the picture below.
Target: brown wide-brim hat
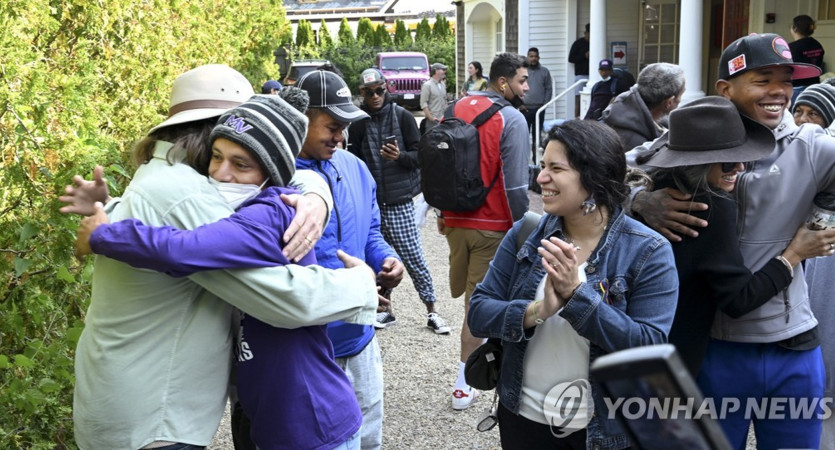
(710, 130)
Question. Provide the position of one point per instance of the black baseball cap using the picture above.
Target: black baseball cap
(761, 50)
(329, 92)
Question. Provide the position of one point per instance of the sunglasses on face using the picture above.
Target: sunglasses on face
(728, 167)
(368, 93)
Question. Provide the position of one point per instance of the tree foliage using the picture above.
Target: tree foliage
(285, 36)
(345, 35)
(304, 35)
(402, 36)
(383, 37)
(325, 38)
(365, 32)
(423, 33)
(440, 29)
(81, 81)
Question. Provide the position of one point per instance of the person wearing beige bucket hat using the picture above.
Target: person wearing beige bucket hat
(253, 145)
(774, 197)
(153, 363)
(702, 155)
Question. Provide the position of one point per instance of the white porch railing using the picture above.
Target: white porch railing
(543, 107)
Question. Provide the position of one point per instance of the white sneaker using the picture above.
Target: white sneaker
(463, 398)
(385, 319)
(435, 323)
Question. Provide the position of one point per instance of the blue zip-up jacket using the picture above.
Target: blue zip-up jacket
(638, 266)
(354, 228)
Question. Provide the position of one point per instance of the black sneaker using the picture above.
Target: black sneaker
(437, 324)
(385, 319)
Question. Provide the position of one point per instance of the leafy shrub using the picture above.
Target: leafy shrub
(81, 81)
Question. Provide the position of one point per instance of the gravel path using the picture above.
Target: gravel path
(420, 368)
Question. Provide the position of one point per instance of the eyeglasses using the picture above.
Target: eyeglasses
(728, 167)
(368, 93)
(490, 419)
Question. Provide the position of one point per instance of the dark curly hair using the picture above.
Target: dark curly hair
(594, 150)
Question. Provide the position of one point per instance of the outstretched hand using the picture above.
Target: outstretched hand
(667, 211)
(82, 194)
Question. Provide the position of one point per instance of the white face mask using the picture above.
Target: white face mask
(607, 78)
(236, 194)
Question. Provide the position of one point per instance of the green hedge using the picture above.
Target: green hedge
(81, 81)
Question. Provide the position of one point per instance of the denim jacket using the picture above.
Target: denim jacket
(635, 262)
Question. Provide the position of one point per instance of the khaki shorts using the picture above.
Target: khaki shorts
(470, 253)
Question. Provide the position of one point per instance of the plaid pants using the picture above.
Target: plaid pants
(399, 230)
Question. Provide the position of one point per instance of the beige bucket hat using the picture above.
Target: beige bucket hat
(205, 92)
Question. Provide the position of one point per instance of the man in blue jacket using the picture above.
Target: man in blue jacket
(355, 229)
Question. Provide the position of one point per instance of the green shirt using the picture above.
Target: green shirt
(154, 359)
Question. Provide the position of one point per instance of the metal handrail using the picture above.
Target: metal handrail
(550, 102)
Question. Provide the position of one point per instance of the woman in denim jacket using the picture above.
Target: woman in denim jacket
(588, 281)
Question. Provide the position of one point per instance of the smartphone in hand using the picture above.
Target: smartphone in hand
(390, 140)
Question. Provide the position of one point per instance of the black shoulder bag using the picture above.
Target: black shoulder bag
(482, 368)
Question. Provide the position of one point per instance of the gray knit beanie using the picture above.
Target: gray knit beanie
(821, 98)
(271, 127)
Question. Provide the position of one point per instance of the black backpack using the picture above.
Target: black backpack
(449, 156)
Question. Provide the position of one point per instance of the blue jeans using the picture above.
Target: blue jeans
(353, 443)
(761, 374)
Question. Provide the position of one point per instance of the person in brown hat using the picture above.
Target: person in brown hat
(775, 347)
(153, 363)
(702, 156)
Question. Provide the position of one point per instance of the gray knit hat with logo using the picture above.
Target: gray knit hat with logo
(271, 127)
(821, 98)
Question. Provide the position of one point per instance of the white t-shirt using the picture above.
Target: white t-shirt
(555, 355)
